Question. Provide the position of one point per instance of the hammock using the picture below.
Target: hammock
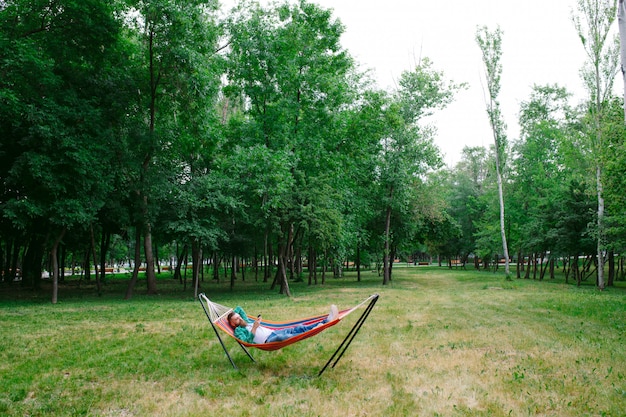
(218, 317)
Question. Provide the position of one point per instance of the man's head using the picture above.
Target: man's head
(235, 320)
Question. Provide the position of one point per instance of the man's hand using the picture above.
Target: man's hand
(256, 324)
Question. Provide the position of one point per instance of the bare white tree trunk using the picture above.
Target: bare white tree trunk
(505, 247)
(600, 228)
(599, 187)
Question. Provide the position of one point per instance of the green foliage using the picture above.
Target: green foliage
(614, 131)
(57, 156)
(255, 135)
(538, 192)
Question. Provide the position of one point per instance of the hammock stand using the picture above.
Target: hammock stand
(217, 315)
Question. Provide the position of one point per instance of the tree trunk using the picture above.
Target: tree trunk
(11, 260)
(243, 268)
(147, 248)
(95, 260)
(32, 261)
(268, 257)
(179, 263)
(105, 241)
(392, 257)
(299, 268)
(284, 285)
(137, 262)
(87, 265)
(601, 283)
(156, 259)
(314, 253)
(387, 248)
(55, 267)
(62, 264)
(233, 275)
(281, 274)
(324, 266)
(196, 261)
(505, 248)
(216, 264)
(256, 264)
(611, 259)
(185, 263)
(358, 263)
(310, 263)
(290, 253)
(543, 267)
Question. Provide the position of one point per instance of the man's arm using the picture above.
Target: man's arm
(242, 313)
(244, 334)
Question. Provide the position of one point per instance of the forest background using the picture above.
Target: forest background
(150, 134)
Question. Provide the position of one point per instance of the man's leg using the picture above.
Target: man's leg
(284, 334)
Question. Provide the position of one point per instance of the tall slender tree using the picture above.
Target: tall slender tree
(490, 44)
(594, 23)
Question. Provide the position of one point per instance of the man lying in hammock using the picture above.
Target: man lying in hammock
(251, 331)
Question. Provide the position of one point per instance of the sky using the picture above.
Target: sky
(540, 46)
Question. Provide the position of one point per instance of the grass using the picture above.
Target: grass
(438, 343)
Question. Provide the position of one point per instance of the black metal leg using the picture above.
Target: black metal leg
(355, 329)
(247, 352)
(223, 346)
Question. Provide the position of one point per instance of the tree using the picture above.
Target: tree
(490, 44)
(614, 131)
(538, 174)
(176, 41)
(466, 202)
(287, 65)
(408, 152)
(593, 24)
(366, 125)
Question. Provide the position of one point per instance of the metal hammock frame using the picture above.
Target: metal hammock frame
(217, 316)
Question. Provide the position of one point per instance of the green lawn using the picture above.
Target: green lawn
(438, 343)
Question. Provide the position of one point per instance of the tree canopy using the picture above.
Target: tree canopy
(146, 134)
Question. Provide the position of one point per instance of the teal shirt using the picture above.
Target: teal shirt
(242, 333)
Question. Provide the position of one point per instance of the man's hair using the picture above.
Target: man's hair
(229, 316)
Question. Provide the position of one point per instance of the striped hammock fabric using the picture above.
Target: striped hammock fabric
(219, 317)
